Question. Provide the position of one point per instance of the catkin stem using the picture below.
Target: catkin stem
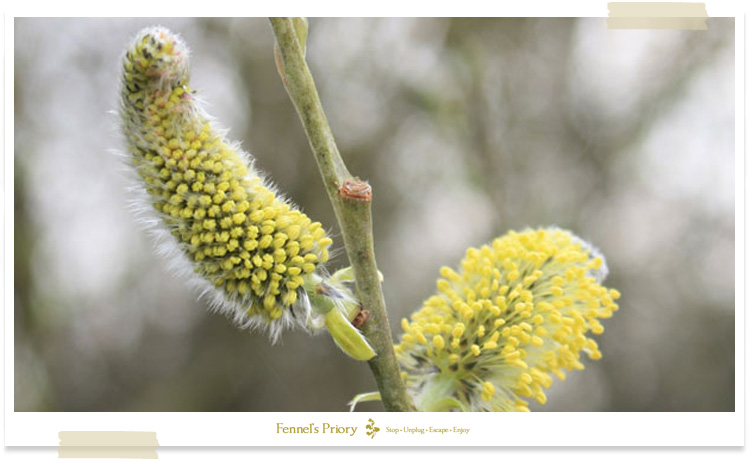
(351, 199)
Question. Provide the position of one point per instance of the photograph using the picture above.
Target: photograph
(320, 214)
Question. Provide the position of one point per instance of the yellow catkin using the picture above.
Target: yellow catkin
(245, 242)
(517, 313)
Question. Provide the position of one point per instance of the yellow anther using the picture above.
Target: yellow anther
(449, 274)
(532, 327)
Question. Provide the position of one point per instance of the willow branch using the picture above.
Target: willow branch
(351, 200)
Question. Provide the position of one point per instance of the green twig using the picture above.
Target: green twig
(351, 199)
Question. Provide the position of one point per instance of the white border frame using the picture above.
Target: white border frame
(512, 429)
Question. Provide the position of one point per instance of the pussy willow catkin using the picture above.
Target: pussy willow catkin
(516, 313)
(247, 247)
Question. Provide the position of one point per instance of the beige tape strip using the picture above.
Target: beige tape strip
(641, 15)
(121, 445)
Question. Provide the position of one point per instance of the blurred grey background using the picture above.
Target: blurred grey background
(465, 128)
